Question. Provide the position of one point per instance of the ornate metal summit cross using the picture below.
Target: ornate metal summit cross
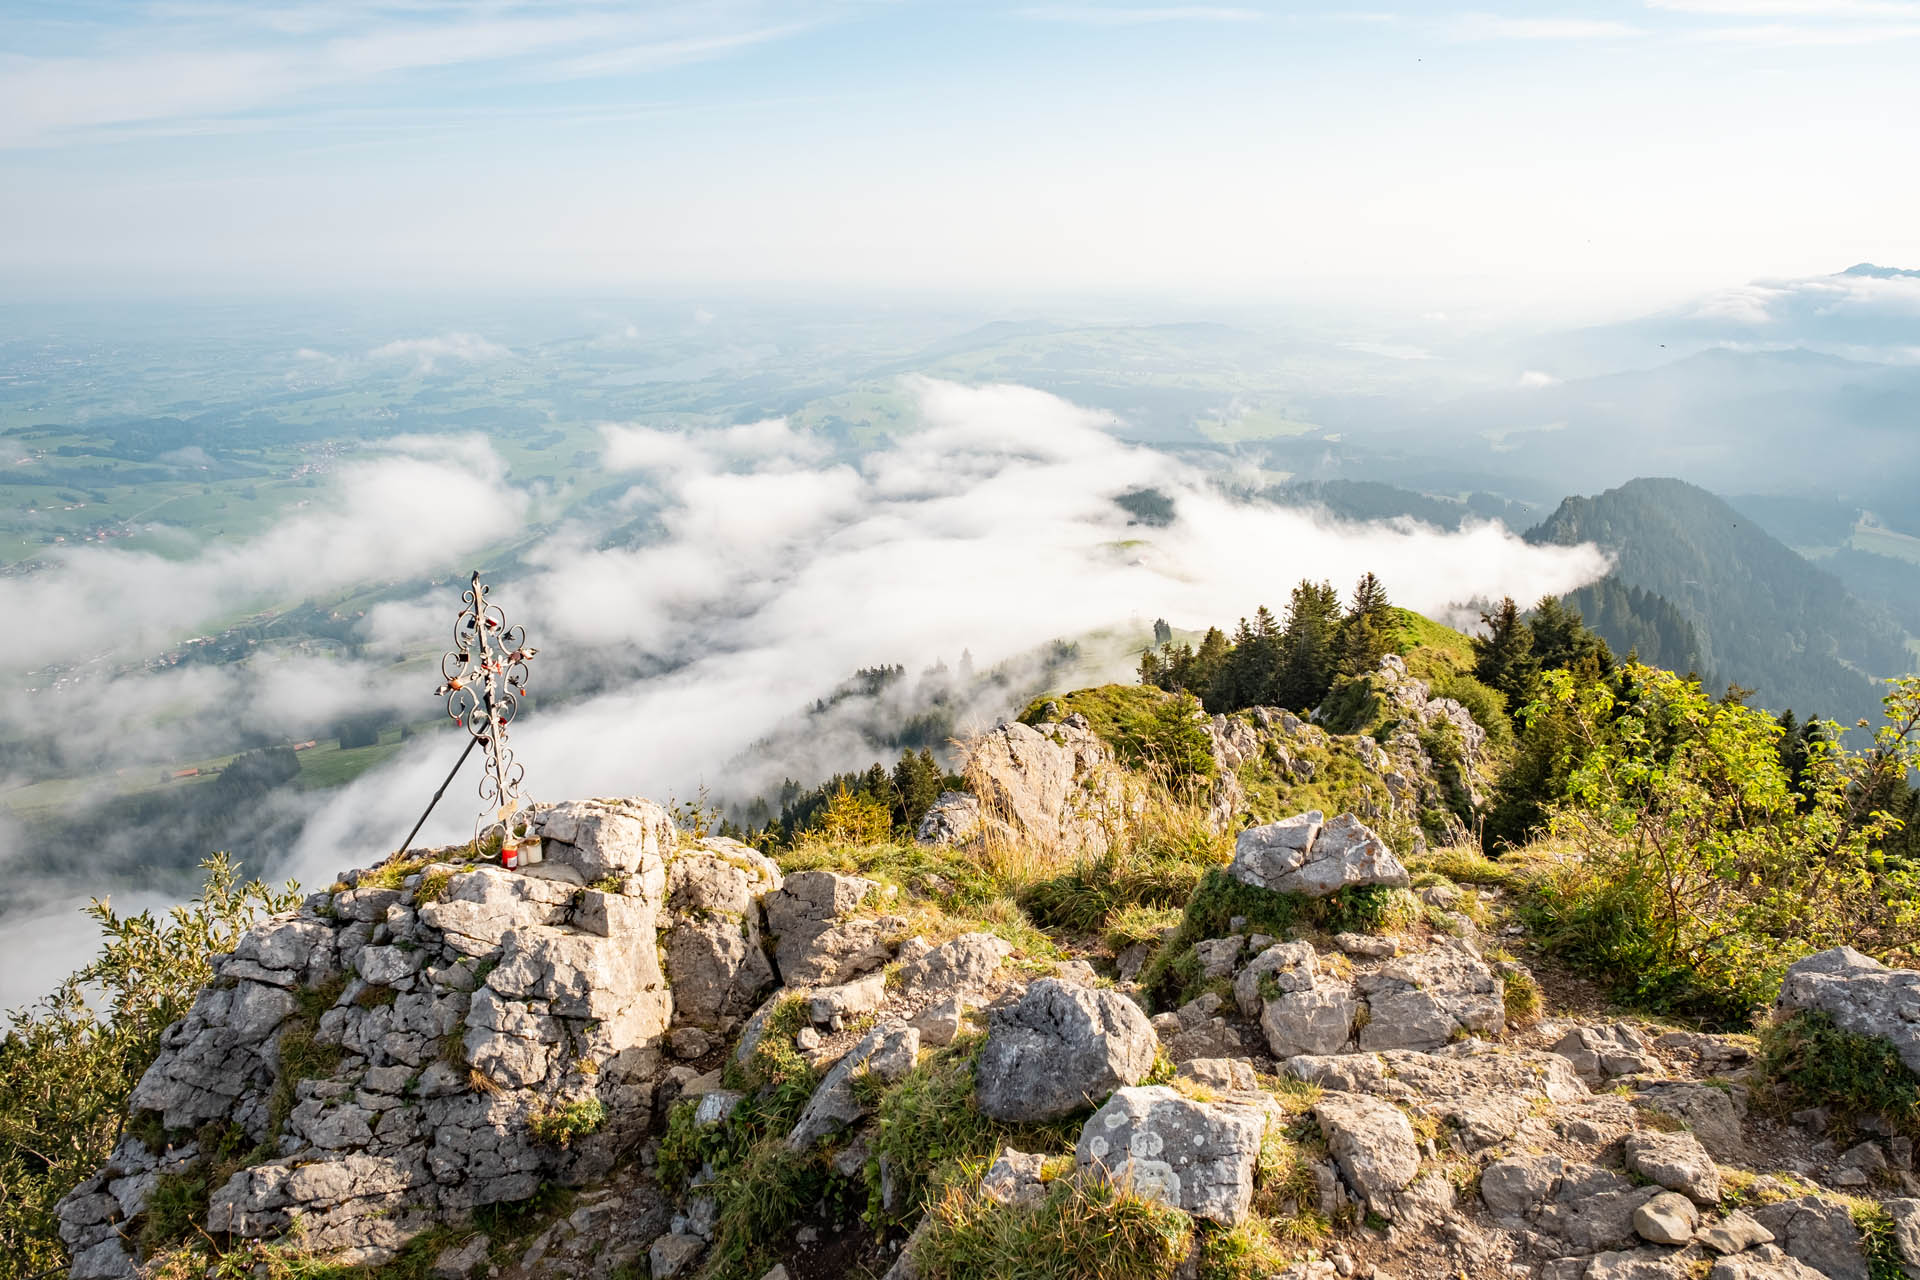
(484, 678)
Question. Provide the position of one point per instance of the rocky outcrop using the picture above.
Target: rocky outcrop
(399, 1049)
(1062, 1047)
(711, 932)
(1302, 855)
(1419, 1001)
(1054, 785)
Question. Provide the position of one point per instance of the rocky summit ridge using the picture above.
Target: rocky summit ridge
(434, 1040)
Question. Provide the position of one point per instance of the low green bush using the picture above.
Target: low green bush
(1807, 1060)
(559, 1126)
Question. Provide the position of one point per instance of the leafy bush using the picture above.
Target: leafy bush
(559, 1126)
(1703, 871)
(1808, 1060)
(71, 1061)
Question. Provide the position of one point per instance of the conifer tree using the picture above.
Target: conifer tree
(1307, 646)
(1162, 633)
(1503, 658)
(1366, 631)
(1561, 637)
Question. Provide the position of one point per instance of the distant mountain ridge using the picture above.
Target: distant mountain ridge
(1764, 615)
(1880, 273)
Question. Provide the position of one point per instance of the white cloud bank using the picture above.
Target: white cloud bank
(780, 571)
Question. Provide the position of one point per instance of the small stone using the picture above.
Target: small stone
(689, 1042)
(806, 1039)
(1232, 1074)
(1735, 1232)
(940, 1024)
(460, 1262)
(1677, 1162)
(672, 1254)
(1668, 1218)
(1365, 944)
(1813, 1119)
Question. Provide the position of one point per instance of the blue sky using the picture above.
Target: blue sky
(1237, 151)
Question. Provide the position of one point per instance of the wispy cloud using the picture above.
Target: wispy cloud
(182, 62)
(426, 353)
(1813, 36)
(1487, 26)
(1792, 8)
(1105, 16)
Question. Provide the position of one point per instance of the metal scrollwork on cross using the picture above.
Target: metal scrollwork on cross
(485, 679)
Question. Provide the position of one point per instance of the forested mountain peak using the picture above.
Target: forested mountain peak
(1765, 616)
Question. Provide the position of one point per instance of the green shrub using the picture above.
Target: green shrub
(1084, 1230)
(1486, 704)
(928, 1128)
(1806, 1059)
(758, 1197)
(71, 1061)
(558, 1126)
(1704, 865)
(176, 1203)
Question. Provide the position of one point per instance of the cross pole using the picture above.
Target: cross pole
(484, 676)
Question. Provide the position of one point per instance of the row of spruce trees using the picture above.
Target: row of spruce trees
(1274, 664)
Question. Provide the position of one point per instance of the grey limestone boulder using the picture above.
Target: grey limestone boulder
(1766, 1262)
(1302, 854)
(1061, 1047)
(953, 819)
(1668, 1218)
(603, 838)
(711, 932)
(965, 963)
(1861, 995)
(1423, 1000)
(1372, 1141)
(1818, 1232)
(1195, 1156)
(1600, 1054)
(1677, 1162)
(818, 938)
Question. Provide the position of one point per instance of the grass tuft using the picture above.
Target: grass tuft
(1084, 1230)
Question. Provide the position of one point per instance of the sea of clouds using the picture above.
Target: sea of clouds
(779, 568)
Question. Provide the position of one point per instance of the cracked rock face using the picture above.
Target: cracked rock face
(1195, 1156)
(1373, 1143)
(1060, 1048)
